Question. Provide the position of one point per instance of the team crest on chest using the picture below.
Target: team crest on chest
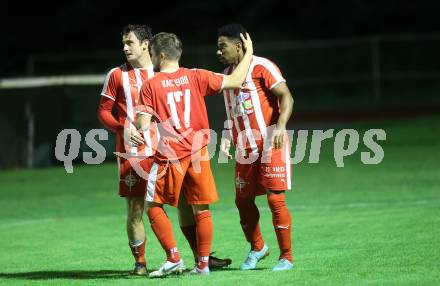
(243, 103)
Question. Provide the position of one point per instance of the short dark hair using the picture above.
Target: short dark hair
(142, 32)
(232, 31)
(167, 43)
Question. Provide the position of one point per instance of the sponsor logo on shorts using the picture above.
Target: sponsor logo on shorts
(240, 183)
(275, 172)
(130, 180)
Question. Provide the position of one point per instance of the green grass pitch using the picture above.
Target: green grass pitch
(357, 225)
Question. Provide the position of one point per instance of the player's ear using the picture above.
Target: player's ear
(239, 46)
(162, 56)
(146, 43)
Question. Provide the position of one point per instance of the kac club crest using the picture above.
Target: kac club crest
(130, 180)
(240, 183)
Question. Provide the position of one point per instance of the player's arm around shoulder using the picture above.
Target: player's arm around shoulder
(237, 77)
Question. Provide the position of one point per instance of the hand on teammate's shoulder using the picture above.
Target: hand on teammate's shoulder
(247, 42)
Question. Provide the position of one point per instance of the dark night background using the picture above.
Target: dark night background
(83, 26)
(358, 58)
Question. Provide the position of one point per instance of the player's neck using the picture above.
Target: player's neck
(141, 63)
(169, 67)
(238, 59)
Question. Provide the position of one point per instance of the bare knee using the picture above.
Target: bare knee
(186, 216)
(150, 205)
(243, 202)
(135, 209)
(198, 209)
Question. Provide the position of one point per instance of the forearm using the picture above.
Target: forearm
(286, 108)
(238, 76)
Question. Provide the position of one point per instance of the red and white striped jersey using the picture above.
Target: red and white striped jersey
(253, 108)
(123, 85)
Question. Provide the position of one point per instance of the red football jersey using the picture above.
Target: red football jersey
(123, 85)
(253, 108)
(176, 100)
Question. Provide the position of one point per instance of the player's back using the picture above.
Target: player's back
(177, 101)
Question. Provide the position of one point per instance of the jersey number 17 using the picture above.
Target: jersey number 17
(173, 98)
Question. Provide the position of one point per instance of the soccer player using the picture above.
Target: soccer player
(257, 114)
(121, 90)
(175, 97)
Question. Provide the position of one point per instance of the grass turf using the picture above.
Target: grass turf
(357, 225)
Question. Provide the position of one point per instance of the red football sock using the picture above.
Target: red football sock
(204, 232)
(282, 224)
(163, 230)
(189, 232)
(249, 217)
(138, 252)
